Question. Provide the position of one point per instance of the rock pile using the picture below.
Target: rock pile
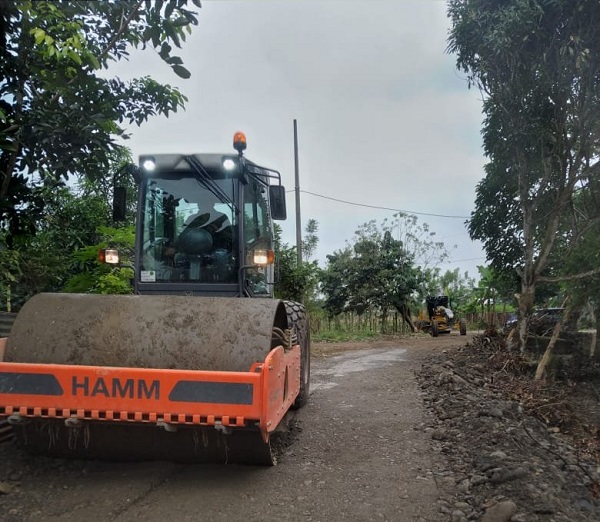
(503, 463)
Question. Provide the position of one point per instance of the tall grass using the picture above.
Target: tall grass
(350, 326)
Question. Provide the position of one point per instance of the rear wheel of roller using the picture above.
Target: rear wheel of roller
(298, 318)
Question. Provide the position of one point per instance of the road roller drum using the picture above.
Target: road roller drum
(139, 331)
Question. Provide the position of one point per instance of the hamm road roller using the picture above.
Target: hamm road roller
(201, 363)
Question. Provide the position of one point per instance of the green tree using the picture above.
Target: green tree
(431, 283)
(420, 242)
(458, 287)
(335, 281)
(293, 282)
(95, 277)
(10, 272)
(537, 64)
(417, 239)
(374, 274)
(60, 116)
(310, 240)
(583, 293)
(486, 292)
(71, 222)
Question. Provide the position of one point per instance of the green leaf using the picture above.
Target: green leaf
(182, 21)
(93, 61)
(155, 36)
(174, 60)
(170, 8)
(39, 35)
(165, 49)
(182, 72)
(74, 56)
(51, 101)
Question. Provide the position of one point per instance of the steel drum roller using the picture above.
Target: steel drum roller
(162, 331)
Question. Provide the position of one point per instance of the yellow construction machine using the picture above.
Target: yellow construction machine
(437, 317)
(201, 363)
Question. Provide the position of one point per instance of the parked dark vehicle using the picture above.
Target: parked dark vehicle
(542, 321)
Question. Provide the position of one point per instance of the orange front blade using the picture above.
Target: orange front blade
(260, 396)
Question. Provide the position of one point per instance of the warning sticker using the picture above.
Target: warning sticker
(148, 276)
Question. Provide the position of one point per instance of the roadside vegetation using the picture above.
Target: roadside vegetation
(537, 67)
(62, 130)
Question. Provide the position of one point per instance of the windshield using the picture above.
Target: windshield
(187, 232)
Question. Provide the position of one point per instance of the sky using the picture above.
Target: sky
(384, 118)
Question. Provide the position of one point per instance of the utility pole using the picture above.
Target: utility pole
(298, 220)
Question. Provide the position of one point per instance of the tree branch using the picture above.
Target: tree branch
(572, 277)
(124, 24)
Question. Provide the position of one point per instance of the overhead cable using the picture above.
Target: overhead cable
(383, 208)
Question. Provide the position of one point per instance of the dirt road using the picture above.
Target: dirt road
(355, 452)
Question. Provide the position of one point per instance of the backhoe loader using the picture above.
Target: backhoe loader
(438, 317)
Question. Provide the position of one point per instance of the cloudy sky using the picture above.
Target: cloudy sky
(384, 119)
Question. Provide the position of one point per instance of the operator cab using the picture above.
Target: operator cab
(204, 225)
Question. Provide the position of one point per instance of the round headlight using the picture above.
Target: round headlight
(228, 164)
(149, 164)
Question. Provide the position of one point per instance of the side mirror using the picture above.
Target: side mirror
(277, 202)
(119, 204)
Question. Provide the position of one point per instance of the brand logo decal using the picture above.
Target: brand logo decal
(124, 388)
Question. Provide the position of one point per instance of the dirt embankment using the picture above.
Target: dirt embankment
(516, 450)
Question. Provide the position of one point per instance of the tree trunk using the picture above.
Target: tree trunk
(384, 315)
(525, 303)
(597, 321)
(405, 314)
(539, 372)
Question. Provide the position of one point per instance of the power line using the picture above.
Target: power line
(449, 261)
(383, 208)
